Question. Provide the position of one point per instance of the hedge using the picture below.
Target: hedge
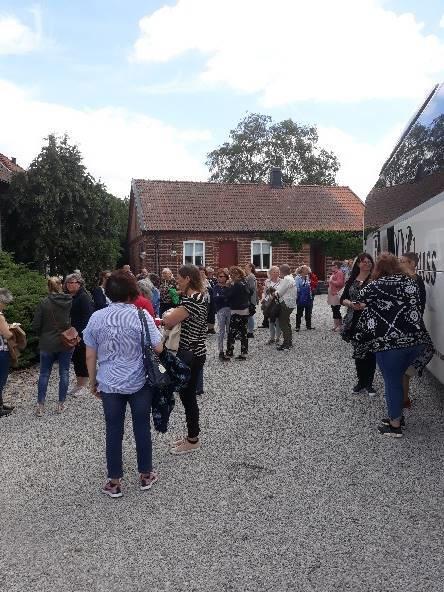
(28, 288)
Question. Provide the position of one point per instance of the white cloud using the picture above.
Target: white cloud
(292, 50)
(116, 144)
(18, 38)
(441, 22)
(361, 162)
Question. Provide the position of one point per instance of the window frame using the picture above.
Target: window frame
(193, 242)
(262, 242)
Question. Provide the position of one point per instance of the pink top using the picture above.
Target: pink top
(336, 282)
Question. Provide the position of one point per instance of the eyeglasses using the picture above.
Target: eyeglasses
(72, 282)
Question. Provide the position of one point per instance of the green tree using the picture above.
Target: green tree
(57, 218)
(257, 144)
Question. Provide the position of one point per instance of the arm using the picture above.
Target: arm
(4, 328)
(338, 280)
(37, 321)
(345, 298)
(91, 364)
(174, 316)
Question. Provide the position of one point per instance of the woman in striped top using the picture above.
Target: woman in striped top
(192, 314)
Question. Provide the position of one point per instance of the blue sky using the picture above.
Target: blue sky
(147, 88)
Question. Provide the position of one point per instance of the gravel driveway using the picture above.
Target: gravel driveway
(293, 490)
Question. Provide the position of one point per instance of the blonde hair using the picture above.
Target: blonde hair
(273, 267)
(55, 285)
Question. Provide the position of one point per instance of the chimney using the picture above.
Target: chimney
(13, 160)
(276, 178)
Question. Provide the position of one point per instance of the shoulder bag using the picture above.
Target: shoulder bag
(154, 376)
(68, 338)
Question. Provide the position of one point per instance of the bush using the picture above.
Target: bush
(28, 288)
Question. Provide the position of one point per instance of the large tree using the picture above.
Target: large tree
(57, 218)
(257, 144)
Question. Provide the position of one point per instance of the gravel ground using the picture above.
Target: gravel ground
(293, 489)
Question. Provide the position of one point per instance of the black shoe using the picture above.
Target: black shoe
(4, 412)
(389, 430)
(386, 421)
(211, 332)
(311, 328)
(223, 357)
(250, 335)
(241, 357)
(8, 408)
(264, 326)
(371, 391)
(357, 389)
(283, 347)
(298, 329)
(199, 393)
(229, 354)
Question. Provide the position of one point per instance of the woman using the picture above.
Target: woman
(360, 276)
(5, 334)
(207, 291)
(270, 286)
(51, 318)
(251, 281)
(113, 341)
(167, 291)
(222, 308)
(335, 284)
(238, 297)
(286, 294)
(192, 314)
(143, 299)
(81, 310)
(99, 297)
(391, 326)
(155, 280)
(304, 300)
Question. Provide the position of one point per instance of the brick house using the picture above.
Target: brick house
(221, 224)
(8, 167)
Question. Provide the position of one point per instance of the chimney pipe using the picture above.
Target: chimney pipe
(13, 160)
(276, 178)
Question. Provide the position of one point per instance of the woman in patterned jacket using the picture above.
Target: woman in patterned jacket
(391, 326)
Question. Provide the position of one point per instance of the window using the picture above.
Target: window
(194, 252)
(261, 254)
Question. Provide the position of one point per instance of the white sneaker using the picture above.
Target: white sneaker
(76, 391)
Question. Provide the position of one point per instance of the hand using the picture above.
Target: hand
(95, 392)
(358, 305)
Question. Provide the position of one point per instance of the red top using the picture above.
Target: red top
(313, 282)
(142, 302)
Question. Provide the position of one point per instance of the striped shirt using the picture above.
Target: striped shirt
(115, 333)
(193, 329)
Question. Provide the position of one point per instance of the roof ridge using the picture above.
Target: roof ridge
(214, 183)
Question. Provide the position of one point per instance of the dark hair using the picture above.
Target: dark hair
(121, 286)
(338, 264)
(355, 269)
(411, 257)
(192, 272)
(102, 275)
(252, 267)
(223, 271)
(284, 268)
(387, 264)
(155, 279)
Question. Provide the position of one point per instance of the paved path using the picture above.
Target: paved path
(293, 490)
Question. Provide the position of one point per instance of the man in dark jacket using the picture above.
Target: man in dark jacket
(82, 309)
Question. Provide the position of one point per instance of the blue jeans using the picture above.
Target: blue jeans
(393, 363)
(223, 322)
(4, 370)
(114, 408)
(251, 324)
(47, 360)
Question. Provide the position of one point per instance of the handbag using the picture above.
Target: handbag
(274, 310)
(68, 338)
(153, 374)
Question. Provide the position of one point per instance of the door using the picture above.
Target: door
(227, 253)
(317, 261)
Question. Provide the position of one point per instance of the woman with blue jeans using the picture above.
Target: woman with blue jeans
(113, 339)
(391, 326)
(5, 334)
(223, 311)
(51, 318)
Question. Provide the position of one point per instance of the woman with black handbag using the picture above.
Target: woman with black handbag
(359, 277)
(192, 314)
(113, 339)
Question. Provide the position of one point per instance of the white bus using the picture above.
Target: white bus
(405, 210)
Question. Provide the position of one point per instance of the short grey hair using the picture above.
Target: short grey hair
(146, 287)
(5, 296)
(76, 277)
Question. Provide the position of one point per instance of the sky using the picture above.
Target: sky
(148, 88)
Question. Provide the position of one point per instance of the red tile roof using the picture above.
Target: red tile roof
(388, 203)
(8, 168)
(230, 207)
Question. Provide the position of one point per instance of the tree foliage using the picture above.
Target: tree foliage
(28, 288)
(335, 243)
(257, 144)
(57, 218)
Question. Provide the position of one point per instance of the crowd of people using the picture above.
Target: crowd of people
(102, 334)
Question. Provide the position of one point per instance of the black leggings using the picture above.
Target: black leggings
(238, 330)
(79, 360)
(188, 397)
(365, 370)
(336, 311)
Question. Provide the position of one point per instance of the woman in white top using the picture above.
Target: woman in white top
(5, 334)
(270, 286)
